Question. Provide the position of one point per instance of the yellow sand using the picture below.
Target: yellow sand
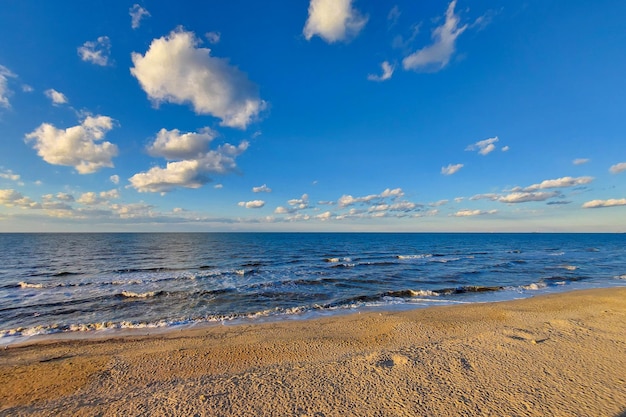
(556, 355)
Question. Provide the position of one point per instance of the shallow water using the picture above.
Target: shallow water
(51, 283)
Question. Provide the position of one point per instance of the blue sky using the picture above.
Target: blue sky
(313, 115)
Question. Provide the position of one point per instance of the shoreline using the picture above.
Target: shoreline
(555, 354)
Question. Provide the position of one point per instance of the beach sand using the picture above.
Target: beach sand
(552, 355)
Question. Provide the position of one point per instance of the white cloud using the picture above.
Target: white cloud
(333, 20)
(218, 186)
(115, 179)
(451, 169)
(91, 198)
(171, 144)
(469, 213)
(175, 70)
(505, 148)
(77, 146)
(393, 15)
(524, 197)
(487, 196)
(605, 203)
(396, 193)
(12, 198)
(559, 183)
(252, 204)
(300, 203)
(436, 56)
(97, 52)
(213, 37)
(617, 168)
(387, 72)
(9, 175)
(262, 189)
(484, 147)
(580, 161)
(439, 203)
(5, 74)
(188, 173)
(27, 88)
(327, 215)
(56, 96)
(137, 13)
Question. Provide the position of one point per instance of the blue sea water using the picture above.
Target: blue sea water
(62, 283)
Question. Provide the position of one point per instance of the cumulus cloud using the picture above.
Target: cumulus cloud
(171, 144)
(524, 197)
(605, 203)
(136, 14)
(56, 96)
(437, 55)
(387, 72)
(252, 204)
(91, 198)
(262, 189)
(505, 148)
(12, 198)
(5, 74)
(483, 147)
(115, 179)
(563, 182)
(176, 70)
(79, 146)
(451, 169)
(97, 52)
(333, 20)
(469, 213)
(580, 161)
(188, 173)
(617, 168)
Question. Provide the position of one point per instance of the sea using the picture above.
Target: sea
(87, 284)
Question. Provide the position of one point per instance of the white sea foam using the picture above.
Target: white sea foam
(569, 267)
(534, 286)
(131, 294)
(420, 256)
(29, 285)
(423, 293)
(623, 276)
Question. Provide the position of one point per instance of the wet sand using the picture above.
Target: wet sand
(557, 355)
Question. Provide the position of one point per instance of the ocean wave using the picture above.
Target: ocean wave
(23, 284)
(148, 294)
(534, 286)
(420, 256)
(336, 260)
(623, 276)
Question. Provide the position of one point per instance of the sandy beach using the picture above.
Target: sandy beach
(557, 355)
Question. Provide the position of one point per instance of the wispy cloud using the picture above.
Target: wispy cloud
(387, 72)
(136, 14)
(97, 52)
(176, 70)
(5, 74)
(563, 182)
(79, 146)
(580, 161)
(9, 175)
(55, 96)
(524, 197)
(484, 147)
(333, 20)
(437, 55)
(451, 169)
(470, 213)
(617, 168)
(605, 203)
(213, 37)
